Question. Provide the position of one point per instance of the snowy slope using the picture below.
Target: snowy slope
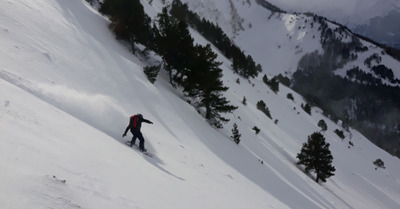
(68, 88)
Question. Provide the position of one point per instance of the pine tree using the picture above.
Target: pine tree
(256, 129)
(339, 133)
(273, 83)
(154, 39)
(166, 47)
(204, 83)
(235, 134)
(152, 72)
(306, 108)
(128, 20)
(185, 53)
(322, 124)
(290, 96)
(175, 45)
(316, 156)
(263, 108)
(379, 163)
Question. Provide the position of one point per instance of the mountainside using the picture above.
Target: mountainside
(365, 92)
(68, 87)
(376, 19)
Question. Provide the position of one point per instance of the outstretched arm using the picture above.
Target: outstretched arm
(147, 121)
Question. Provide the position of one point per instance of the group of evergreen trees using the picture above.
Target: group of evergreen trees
(194, 67)
(273, 83)
(129, 21)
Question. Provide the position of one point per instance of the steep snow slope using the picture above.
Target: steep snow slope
(68, 88)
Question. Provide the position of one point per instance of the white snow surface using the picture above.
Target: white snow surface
(67, 89)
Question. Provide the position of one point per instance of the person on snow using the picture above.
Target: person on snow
(135, 123)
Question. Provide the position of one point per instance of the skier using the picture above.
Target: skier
(135, 123)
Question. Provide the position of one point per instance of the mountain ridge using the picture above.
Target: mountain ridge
(372, 18)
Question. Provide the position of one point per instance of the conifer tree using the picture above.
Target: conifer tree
(290, 96)
(379, 163)
(166, 39)
(175, 45)
(128, 20)
(263, 108)
(185, 45)
(152, 72)
(153, 39)
(204, 83)
(322, 124)
(273, 83)
(306, 108)
(256, 129)
(235, 134)
(316, 156)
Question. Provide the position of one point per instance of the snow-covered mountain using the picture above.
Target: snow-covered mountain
(377, 19)
(349, 12)
(263, 34)
(67, 91)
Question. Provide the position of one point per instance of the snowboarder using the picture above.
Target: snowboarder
(135, 123)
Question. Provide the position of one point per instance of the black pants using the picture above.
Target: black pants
(137, 134)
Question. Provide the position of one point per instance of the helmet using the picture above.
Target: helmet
(140, 115)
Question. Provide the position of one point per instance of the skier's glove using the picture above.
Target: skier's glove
(123, 135)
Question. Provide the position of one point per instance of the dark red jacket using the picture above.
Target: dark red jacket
(135, 123)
